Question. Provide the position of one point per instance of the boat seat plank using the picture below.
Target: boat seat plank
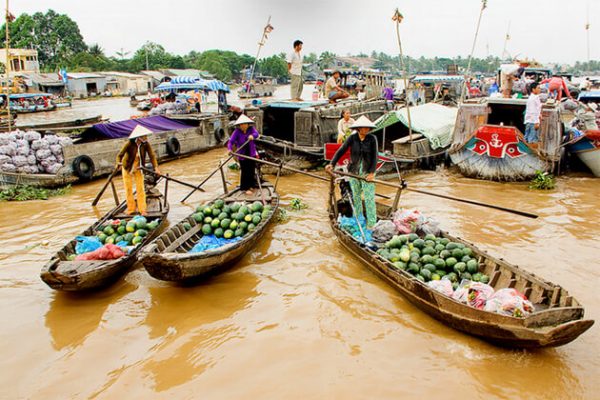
(407, 139)
(183, 238)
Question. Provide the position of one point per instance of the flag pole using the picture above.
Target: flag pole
(260, 45)
(7, 69)
(398, 18)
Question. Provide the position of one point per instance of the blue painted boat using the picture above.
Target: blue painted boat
(587, 149)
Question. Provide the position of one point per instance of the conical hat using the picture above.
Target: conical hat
(243, 119)
(363, 122)
(139, 131)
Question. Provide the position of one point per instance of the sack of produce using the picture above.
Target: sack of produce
(20, 161)
(56, 149)
(30, 136)
(48, 161)
(407, 221)
(9, 149)
(509, 302)
(5, 159)
(31, 160)
(31, 169)
(429, 226)
(51, 139)
(40, 144)
(478, 295)
(8, 167)
(43, 154)
(65, 141)
(443, 286)
(106, 252)
(22, 147)
(53, 168)
(384, 230)
(18, 134)
(4, 139)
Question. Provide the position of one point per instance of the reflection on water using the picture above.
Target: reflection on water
(298, 317)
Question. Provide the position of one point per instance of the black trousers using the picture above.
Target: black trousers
(248, 174)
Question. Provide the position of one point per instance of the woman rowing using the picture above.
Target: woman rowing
(131, 159)
(242, 142)
(363, 162)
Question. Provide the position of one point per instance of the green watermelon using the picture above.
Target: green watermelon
(412, 237)
(102, 237)
(228, 234)
(256, 206)
(222, 216)
(206, 229)
(216, 212)
(428, 250)
(472, 266)
(207, 220)
(256, 219)
(137, 240)
(121, 230)
(426, 259)
(460, 268)
(109, 230)
(235, 207)
(439, 263)
(484, 279)
(141, 224)
(265, 214)
(435, 277)
(426, 274)
(219, 203)
(419, 243)
(239, 232)
(225, 223)
(244, 210)
(118, 239)
(457, 253)
(141, 232)
(413, 268)
(207, 210)
(429, 267)
(128, 237)
(248, 217)
(243, 225)
(251, 227)
(219, 232)
(198, 217)
(400, 265)
(187, 226)
(130, 227)
(233, 225)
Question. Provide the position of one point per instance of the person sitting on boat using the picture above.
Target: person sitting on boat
(131, 158)
(243, 133)
(344, 125)
(333, 90)
(556, 87)
(533, 112)
(363, 162)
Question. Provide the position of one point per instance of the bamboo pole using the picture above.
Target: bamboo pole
(398, 18)
(468, 72)
(260, 45)
(7, 69)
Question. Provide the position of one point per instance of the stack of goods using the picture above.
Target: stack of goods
(222, 223)
(170, 108)
(125, 234)
(432, 258)
(30, 153)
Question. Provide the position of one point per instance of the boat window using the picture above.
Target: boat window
(278, 122)
(508, 115)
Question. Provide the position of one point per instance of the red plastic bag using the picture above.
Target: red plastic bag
(106, 252)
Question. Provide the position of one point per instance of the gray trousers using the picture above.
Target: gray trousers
(297, 86)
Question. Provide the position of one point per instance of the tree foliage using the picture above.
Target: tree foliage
(273, 66)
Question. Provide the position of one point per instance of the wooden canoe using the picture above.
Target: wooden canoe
(167, 258)
(61, 274)
(557, 320)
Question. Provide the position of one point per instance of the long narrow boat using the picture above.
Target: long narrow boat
(587, 148)
(61, 274)
(168, 258)
(557, 320)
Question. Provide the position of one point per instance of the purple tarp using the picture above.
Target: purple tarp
(122, 129)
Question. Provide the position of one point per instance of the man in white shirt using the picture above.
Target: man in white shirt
(533, 112)
(295, 70)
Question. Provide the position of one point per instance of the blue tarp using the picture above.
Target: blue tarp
(211, 242)
(28, 95)
(191, 83)
(350, 225)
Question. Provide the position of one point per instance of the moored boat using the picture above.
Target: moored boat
(168, 257)
(488, 141)
(61, 273)
(558, 317)
(587, 149)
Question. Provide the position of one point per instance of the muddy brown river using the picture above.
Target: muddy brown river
(296, 318)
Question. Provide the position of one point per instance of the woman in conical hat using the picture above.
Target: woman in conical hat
(131, 158)
(363, 162)
(245, 132)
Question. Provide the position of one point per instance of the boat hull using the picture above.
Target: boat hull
(588, 151)
(473, 165)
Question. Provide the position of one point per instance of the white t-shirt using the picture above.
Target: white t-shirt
(533, 109)
(296, 60)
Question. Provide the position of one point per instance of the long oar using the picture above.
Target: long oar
(101, 192)
(443, 196)
(199, 186)
(167, 177)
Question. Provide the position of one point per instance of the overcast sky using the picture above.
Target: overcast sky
(547, 30)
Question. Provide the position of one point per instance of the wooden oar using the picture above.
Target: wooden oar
(101, 192)
(167, 177)
(199, 186)
(443, 196)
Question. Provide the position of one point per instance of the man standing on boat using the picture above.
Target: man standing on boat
(295, 70)
(131, 159)
(533, 112)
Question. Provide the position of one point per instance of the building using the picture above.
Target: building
(128, 84)
(156, 77)
(85, 84)
(187, 72)
(46, 83)
(354, 62)
(21, 60)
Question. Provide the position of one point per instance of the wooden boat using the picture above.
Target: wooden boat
(134, 103)
(61, 274)
(488, 140)
(558, 318)
(587, 149)
(167, 258)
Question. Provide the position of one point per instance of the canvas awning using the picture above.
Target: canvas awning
(191, 83)
(434, 121)
(122, 129)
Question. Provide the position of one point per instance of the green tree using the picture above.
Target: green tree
(154, 56)
(311, 58)
(55, 36)
(326, 59)
(273, 66)
(95, 50)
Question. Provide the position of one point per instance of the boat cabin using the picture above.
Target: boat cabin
(370, 81)
(428, 87)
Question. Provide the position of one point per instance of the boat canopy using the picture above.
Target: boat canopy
(122, 129)
(434, 121)
(191, 83)
(592, 94)
(437, 78)
(29, 95)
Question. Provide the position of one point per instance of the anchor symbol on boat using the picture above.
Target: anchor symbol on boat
(495, 142)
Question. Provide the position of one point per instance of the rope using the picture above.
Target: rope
(398, 18)
(468, 72)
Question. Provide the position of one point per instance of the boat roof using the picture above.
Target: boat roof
(29, 95)
(438, 78)
(591, 94)
(296, 104)
(191, 83)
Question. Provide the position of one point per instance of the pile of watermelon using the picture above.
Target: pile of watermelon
(433, 258)
(230, 220)
(121, 231)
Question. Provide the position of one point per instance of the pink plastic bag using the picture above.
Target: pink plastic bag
(106, 252)
(509, 302)
(407, 221)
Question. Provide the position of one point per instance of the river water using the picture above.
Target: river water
(296, 318)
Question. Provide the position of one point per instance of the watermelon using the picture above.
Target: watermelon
(435, 277)
(472, 266)
(109, 230)
(419, 243)
(400, 265)
(460, 268)
(219, 204)
(451, 246)
(187, 226)
(219, 232)
(429, 267)
(119, 239)
(153, 225)
(484, 279)
(467, 251)
(413, 268)
(121, 230)
(244, 210)
(137, 240)
(256, 219)
(256, 206)
(457, 253)
(239, 232)
(426, 259)
(233, 225)
(428, 251)
(110, 240)
(215, 223)
(207, 220)
(239, 216)
(235, 207)
(451, 262)
(248, 218)
(198, 217)
(243, 225)
(251, 227)
(102, 237)
(128, 237)
(412, 237)
(141, 232)
(206, 229)
(228, 234)
(426, 274)
(265, 214)
(130, 227)
(225, 223)
(141, 224)
(199, 209)
(227, 210)
(430, 236)
(222, 216)
(439, 247)
(439, 263)
(216, 212)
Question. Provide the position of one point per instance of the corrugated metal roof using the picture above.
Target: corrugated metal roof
(45, 79)
(123, 74)
(83, 75)
(154, 74)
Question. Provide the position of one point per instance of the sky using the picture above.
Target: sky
(545, 30)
